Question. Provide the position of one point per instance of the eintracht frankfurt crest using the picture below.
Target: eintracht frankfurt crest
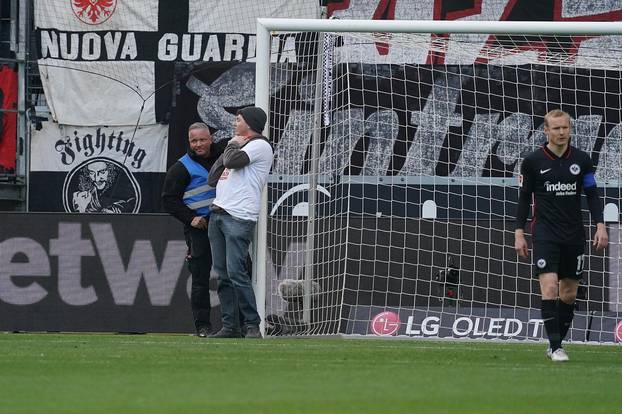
(93, 11)
(575, 169)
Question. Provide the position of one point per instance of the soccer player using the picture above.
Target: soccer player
(555, 175)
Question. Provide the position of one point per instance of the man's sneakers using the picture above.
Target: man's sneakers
(559, 355)
(204, 331)
(226, 333)
(253, 332)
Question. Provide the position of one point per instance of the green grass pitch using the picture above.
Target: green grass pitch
(75, 373)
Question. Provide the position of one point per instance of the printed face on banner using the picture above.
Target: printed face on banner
(93, 11)
(99, 173)
(101, 185)
(97, 169)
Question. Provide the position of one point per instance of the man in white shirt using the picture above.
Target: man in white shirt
(239, 176)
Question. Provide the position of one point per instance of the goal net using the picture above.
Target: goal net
(394, 188)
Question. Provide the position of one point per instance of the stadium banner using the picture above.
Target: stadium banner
(362, 277)
(97, 273)
(127, 273)
(443, 124)
(470, 132)
(615, 275)
(477, 323)
(194, 60)
(121, 53)
(492, 10)
(8, 119)
(97, 169)
(108, 64)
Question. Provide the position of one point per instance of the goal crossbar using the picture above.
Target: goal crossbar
(436, 26)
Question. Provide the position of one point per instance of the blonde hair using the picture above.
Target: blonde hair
(555, 113)
(198, 125)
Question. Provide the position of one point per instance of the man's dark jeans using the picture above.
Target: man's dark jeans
(230, 238)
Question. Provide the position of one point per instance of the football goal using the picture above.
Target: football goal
(394, 187)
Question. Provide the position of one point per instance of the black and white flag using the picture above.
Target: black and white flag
(102, 60)
(97, 169)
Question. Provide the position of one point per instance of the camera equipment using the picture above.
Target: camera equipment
(447, 282)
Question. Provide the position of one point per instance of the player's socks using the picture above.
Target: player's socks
(566, 314)
(551, 323)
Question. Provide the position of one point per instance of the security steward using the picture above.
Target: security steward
(187, 197)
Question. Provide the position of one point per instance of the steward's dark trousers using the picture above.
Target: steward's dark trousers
(200, 265)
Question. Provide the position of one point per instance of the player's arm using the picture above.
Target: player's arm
(525, 190)
(601, 239)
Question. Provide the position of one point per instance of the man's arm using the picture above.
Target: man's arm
(593, 199)
(234, 156)
(601, 239)
(522, 209)
(520, 243)
(216, 167)
(525, 192)
(215, 172)
(175, 183)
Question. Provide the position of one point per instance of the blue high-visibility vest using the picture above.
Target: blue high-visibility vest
(198, 195)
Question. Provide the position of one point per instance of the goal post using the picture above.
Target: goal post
(390, 206)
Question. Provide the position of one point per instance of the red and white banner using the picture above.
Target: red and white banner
(8, 119)
(461, 49)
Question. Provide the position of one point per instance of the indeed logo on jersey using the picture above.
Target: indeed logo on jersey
(561, 189)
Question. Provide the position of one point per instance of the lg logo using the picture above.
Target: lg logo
(385, 323)
(618, 332)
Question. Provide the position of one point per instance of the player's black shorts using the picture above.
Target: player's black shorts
(567, 260)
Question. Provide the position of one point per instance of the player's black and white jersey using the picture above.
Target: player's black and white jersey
(556, 184)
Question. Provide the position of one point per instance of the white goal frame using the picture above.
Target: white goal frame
(265, 26)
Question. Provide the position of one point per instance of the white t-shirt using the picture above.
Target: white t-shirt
(239, 190)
